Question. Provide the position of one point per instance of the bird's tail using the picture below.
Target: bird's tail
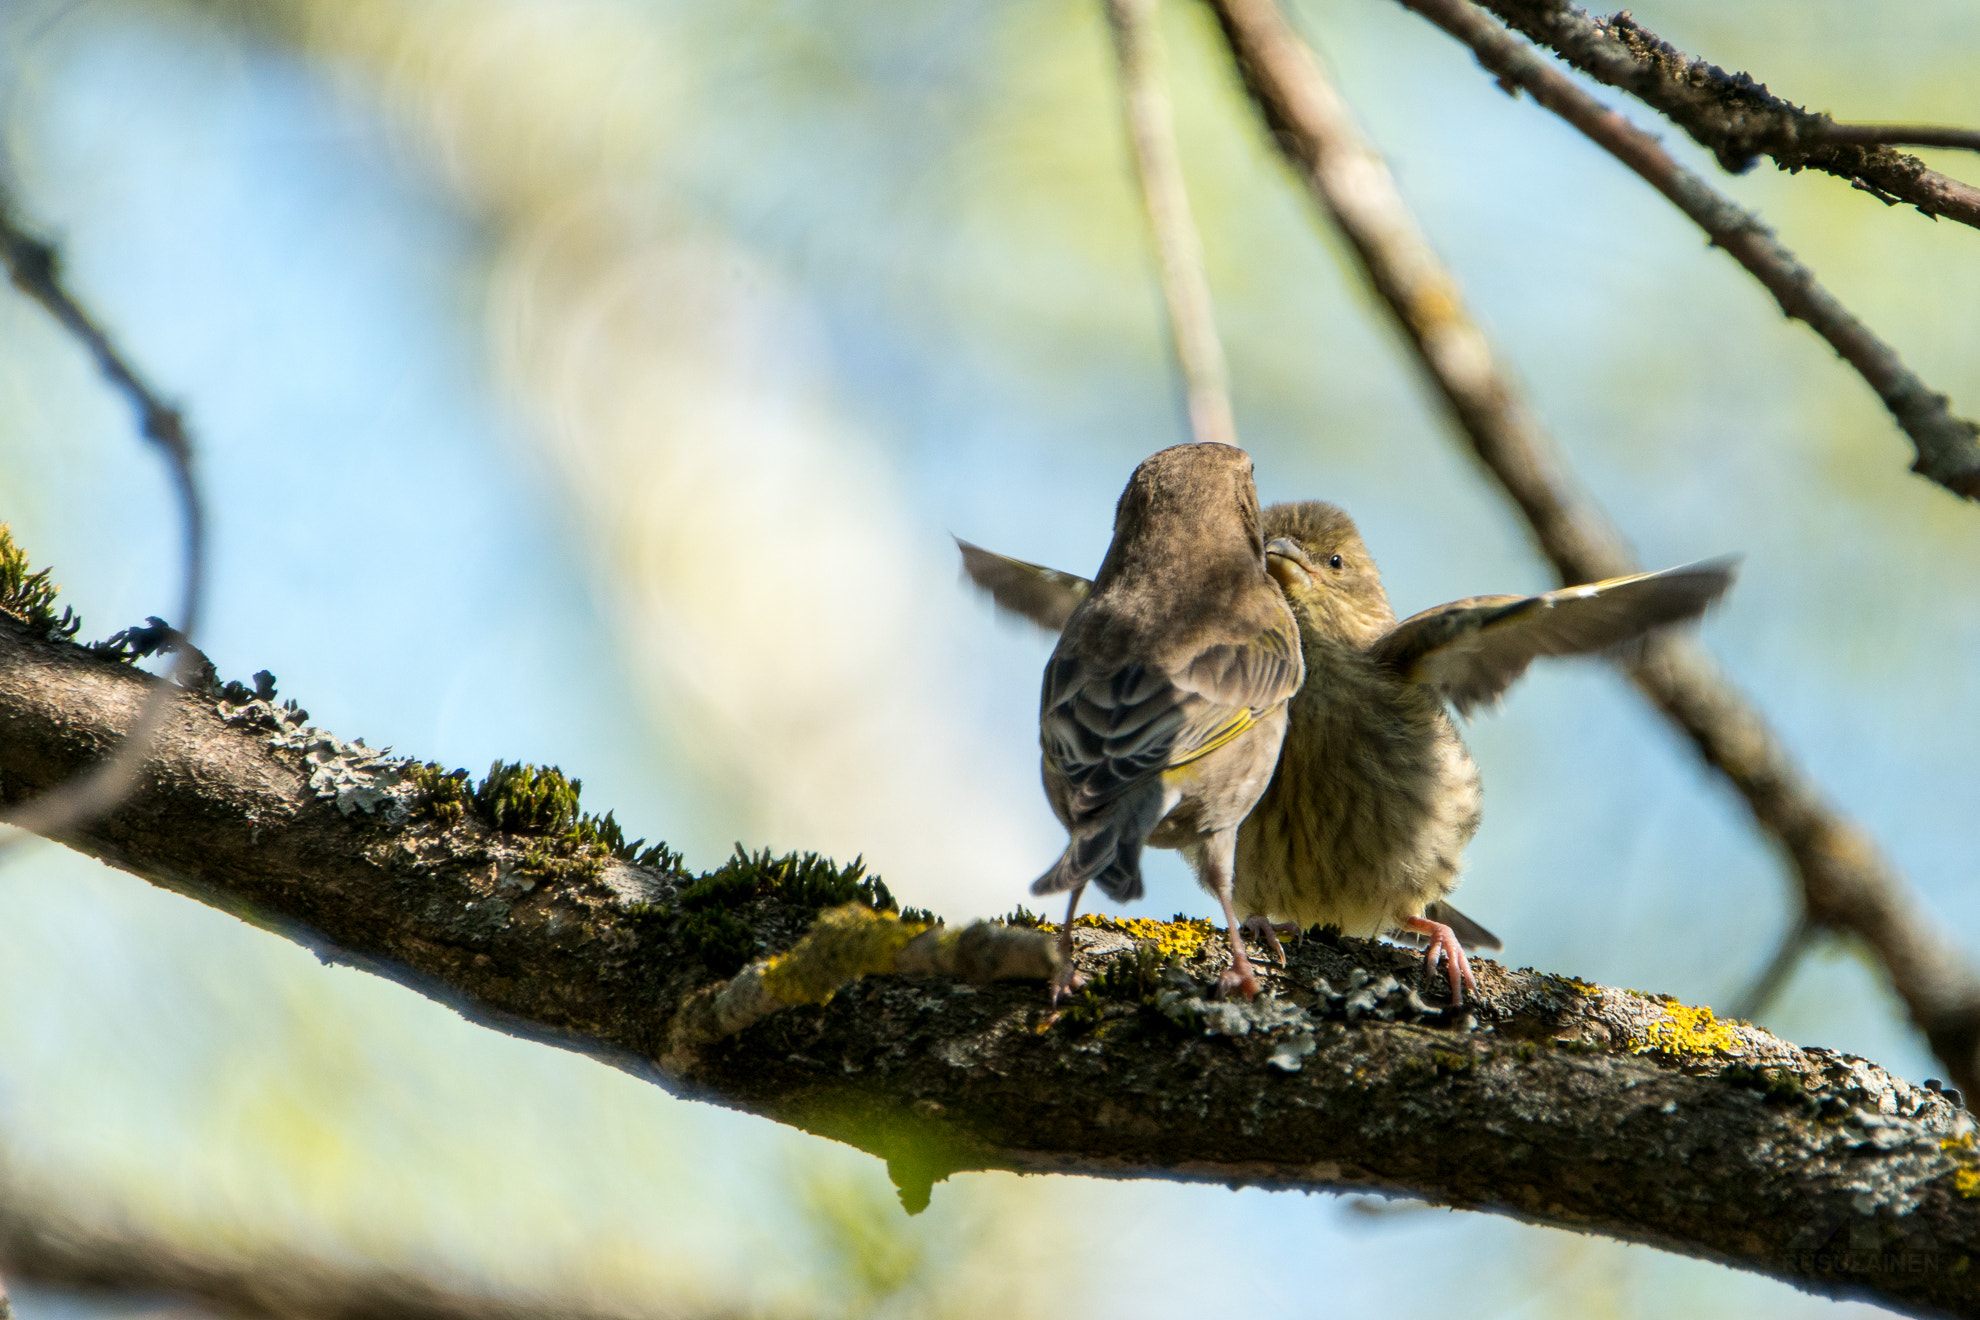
(1106, 849)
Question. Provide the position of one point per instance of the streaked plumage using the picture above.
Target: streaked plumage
(1164, 703)
(1374, 797)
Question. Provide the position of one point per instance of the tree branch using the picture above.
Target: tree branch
(1178, 248)
(1552, 1100)
(1734, 117)
(1845, 884)
(43, 1244)
(1948, 447)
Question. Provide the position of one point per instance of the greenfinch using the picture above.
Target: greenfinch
(1164, 702)
(1374, 795)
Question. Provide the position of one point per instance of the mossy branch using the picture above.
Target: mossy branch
(1549, 1099)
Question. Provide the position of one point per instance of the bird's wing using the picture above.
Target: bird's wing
(1472, 650)
(1107, 733)
(1043, 595)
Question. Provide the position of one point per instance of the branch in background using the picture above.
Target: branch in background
(45, 1244)
(1548, 1099)
(35, 269)
(1948, 446)
(1787, 956)
(1907, 135)
(1844, 883)
(1178, 249)
(1731, 115)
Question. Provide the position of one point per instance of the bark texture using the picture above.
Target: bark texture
(1550, 1099)
(1733, 115)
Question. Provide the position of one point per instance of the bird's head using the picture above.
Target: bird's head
(1315, 553)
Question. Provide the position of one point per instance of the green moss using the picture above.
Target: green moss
(1130, 978)
(715, 932)
(528, 799)
(1024, 916)
(1451, 1062)
(722, 940)
(1781, 1084)
(443, 795)
(28, 595)
(798, 879)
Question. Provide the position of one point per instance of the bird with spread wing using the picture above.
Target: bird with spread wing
(1364, 823)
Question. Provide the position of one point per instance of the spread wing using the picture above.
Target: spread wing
(1472, 650)
(1043, 595)
(1107, 733)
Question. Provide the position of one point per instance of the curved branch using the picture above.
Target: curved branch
(35, 269)
(1845, 884)
(1553, 1100)
(1178, 247)
(1948, 446)
(1730, 114)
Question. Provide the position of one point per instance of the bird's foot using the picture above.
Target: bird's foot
(1263, 928)
(1067, 978)
(1238, 977)
(1444, 944)
(1067, 981)
(1234, 981)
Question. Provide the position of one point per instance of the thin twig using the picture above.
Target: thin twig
(1178, 248)
(1845, 884)
(35, 269)
(1948, 447)
(1901, 135)
(1779, 968)
(1731, 114)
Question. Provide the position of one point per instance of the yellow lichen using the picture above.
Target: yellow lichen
(842, 945)
(1181, 940)
(1686, 1030)
(1963, 1148)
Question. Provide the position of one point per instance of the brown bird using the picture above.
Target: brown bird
(1375, 796)
(1164, 702)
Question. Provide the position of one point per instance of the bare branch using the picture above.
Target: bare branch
(1948, 447)
(1907, 135)
(43, 1243)
(1550, 1099)
(1178, 248)
(35, 268)
(1794, 945)
(1732, 115)
(1845, 884)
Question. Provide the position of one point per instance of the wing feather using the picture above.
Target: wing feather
(1472, 650)
(1043, 595)
(1109, 733)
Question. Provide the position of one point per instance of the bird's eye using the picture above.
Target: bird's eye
(1335, 562)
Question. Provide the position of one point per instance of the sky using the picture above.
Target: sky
(599, 383)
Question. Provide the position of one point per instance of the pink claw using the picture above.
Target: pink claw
(1263, 928)
(1444, 944)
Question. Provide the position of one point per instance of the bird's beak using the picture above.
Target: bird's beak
(1285, 561)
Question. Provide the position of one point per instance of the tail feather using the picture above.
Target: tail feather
(1106, 850)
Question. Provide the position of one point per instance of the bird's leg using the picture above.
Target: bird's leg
(1219, 859)
(1444, 944)
(1263, 928)
(1067, 978)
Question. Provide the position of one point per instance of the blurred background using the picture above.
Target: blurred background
(598, 382)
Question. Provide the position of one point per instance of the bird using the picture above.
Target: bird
(1164, 703)
(1375, 796)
